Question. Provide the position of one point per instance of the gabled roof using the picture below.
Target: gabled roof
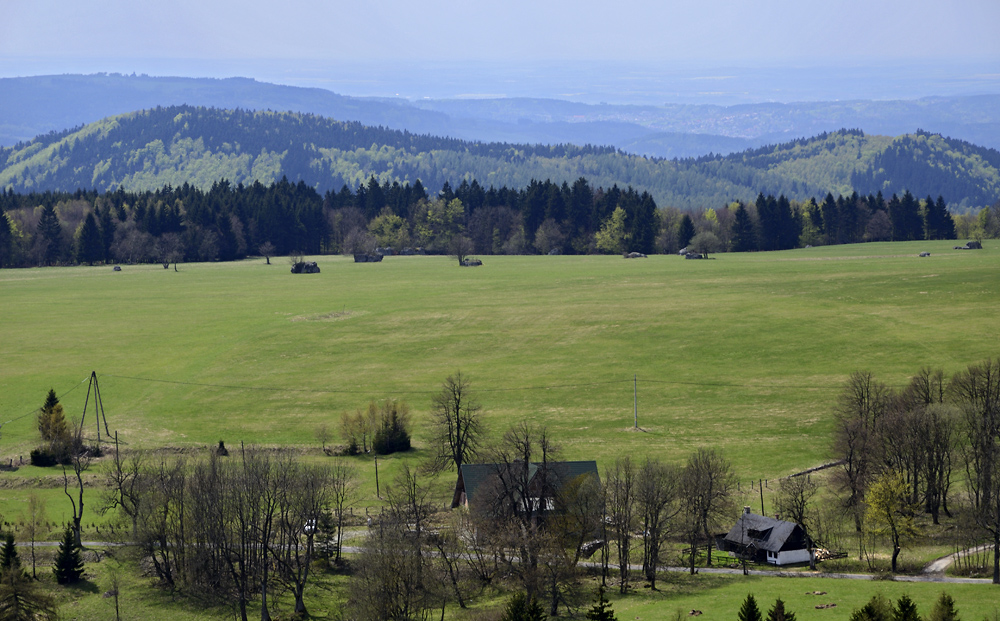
(473, 476)
(766, 533)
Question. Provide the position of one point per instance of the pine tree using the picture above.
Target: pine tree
(50, 234)
(749, 610)
(944, 609)
(905, 610)
(520, 609)
(601, 610)
(6, 240)
(52, 421)
(685, 231)
(778, 613)
(742, 237)
(878, 608)
(68, 566)
(8, 555)
(22, 599)
(89, 243)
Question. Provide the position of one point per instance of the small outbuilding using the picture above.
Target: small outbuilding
(763, 539)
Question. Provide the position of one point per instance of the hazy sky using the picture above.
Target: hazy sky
(724, 31)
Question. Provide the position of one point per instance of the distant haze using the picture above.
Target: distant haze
(720, 31)
(643, 51)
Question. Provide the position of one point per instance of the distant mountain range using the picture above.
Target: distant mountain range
(32, 106)
(199, 146)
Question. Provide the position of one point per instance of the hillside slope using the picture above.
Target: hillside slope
(183, 144)
(30, 106)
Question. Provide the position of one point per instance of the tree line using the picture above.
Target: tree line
(228, 222)
(902, 451)
(245, 528)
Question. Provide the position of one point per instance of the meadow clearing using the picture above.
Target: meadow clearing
(743, 352)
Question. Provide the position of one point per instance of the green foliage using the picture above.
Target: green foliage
(518, 608)
(685, 231)
(150, 149)
(390, 230)
(23, 599)
(601, 610)
(9, 559)
(944, 609)
(749, 610)
(778, 612)
(393, 432)
(89, 243)
(905, 609)
(878, 608)
(889, 511)
(68, 565)
(612, 237)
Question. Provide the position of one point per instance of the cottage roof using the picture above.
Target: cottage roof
(765, 533)
(473, 476)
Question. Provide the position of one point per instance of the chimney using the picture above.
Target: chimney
(746, 510)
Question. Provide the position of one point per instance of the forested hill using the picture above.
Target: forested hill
(181, 144)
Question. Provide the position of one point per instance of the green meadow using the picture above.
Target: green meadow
(743, 352)
(746, 352)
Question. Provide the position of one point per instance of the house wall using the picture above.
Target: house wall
(790, 557)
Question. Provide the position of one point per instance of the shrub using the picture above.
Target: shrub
(42, 458)
(393, 433)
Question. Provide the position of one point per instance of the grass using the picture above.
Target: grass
(745, 352)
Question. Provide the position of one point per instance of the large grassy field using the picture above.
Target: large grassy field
(746, 353)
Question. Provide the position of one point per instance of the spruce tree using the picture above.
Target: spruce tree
(685, 231)
(601, 610)
(89, 243)
(749, 610)
(742, 236)
(520, 609)
(68, 566)
(944, 609)
(23, 598)
(905, 610)
(8, 555)
(6, 240)
(778, 613)
(50, 234)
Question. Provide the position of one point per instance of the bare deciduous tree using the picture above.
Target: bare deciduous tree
(457, 428)
(620, 491)
(794, 503)
(977, 391)
(657, 502)
(860, 409)
(707, 486)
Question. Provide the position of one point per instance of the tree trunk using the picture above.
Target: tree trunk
(300, 604)
(996, 556)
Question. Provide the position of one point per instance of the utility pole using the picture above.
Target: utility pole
(378, 494)
(761, 486)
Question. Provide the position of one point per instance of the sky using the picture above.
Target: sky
(792, 31)
(268, 39)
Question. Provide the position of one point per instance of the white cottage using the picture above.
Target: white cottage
(766, 540)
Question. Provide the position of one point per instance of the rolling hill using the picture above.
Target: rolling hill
(185, 144)
(30, 106)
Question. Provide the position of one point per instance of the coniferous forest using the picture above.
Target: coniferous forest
(229, 222)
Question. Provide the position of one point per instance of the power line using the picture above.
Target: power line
(38, 409)
(354, 391)
(349, 391)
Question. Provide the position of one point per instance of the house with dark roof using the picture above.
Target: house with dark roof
(477, 479)
(765, 540)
